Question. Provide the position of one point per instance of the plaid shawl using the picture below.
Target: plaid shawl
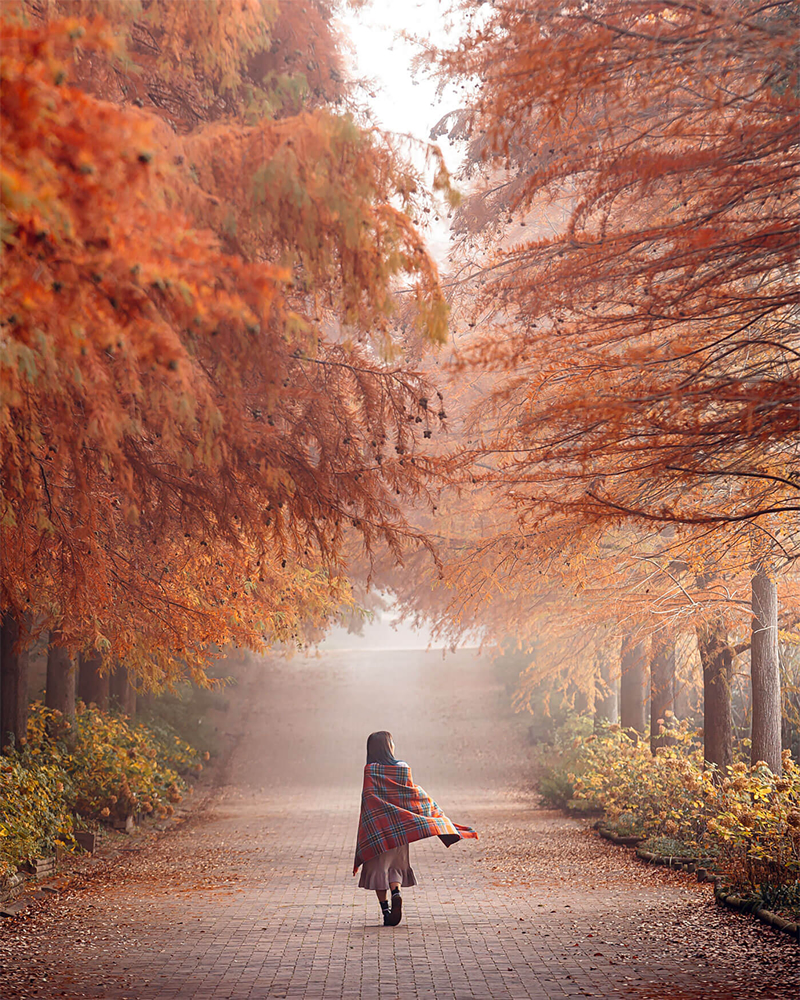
(395, 811)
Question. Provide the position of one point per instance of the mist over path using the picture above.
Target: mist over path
(255, 897)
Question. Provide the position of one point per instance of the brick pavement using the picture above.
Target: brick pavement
(254, 898)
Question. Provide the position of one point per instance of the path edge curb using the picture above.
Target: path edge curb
(732, 901)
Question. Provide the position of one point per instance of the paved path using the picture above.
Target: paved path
(254, 898)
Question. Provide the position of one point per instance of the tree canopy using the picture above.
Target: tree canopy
(198, 393)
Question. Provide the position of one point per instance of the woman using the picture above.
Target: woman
(394, 812)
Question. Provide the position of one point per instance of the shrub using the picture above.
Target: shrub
(102, 768)
(556, 789)
(34, 811)
(749, 820)
(757, 827)
(119, 769)
(661, 795)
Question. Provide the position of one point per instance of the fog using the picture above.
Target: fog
(307, 720)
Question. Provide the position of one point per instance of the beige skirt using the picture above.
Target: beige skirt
(391, 866)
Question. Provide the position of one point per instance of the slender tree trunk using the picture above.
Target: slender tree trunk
(123, 693)
(13, 683)
(683, 706)
(662, 690)
(606, 702)
(634, 688)
(61, 678)
(765, 672)
(93, 687)
(716, 656)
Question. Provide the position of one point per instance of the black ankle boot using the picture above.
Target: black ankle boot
(397, 910)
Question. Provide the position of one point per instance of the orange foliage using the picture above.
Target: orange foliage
(186, 433)
(192, 63)
(647, 346)
(629, 271)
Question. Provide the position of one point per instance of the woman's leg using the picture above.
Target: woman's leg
(381, 894)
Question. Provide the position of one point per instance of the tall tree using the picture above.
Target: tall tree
(188, 434)
(13, 681)
(716, 657)
(635, 688)
(765, 669)
(61, 682)
(628, 269)
(606, 702)
(662, 689)
(93, 680)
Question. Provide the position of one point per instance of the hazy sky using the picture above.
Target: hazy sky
(383, 632)
(407, 103)
(404, 102)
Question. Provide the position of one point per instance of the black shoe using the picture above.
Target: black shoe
(396, 912)
(387, 918)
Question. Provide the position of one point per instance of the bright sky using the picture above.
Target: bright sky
(404, 102)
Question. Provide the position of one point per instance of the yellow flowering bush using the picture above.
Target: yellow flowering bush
(665, 795)
(126, 768)
(102, 767)
(757, 825)
(747, 820)
(34, 811)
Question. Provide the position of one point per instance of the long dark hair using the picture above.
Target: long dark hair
(379, 748)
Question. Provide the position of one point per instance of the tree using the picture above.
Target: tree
(13, 682)
(662, 689)
(635, 689)
(187, 434)
(61, 683)
(672, 135)
(195, 64)
(716, 657)
(765, 670)
(644, 345)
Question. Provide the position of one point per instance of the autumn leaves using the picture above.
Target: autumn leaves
(629, 271)
(196, 407)
(214, 396)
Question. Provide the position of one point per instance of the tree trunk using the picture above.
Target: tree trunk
(123, 693)
(61, 678)
(765, 672)
(13, 683)
(93, 687)
(716, 656)
(683, 703)
(580, 701)
(633, 686)
(662, 690)
(606, 702)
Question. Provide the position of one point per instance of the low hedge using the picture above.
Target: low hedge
(747, 820)
(100, 768)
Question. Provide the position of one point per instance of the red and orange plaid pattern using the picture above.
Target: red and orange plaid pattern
(395, 811)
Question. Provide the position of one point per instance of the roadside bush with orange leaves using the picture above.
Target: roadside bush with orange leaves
(748, 821)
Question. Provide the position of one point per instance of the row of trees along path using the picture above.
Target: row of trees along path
(625, 352)
(207, 394)
(215, 393)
